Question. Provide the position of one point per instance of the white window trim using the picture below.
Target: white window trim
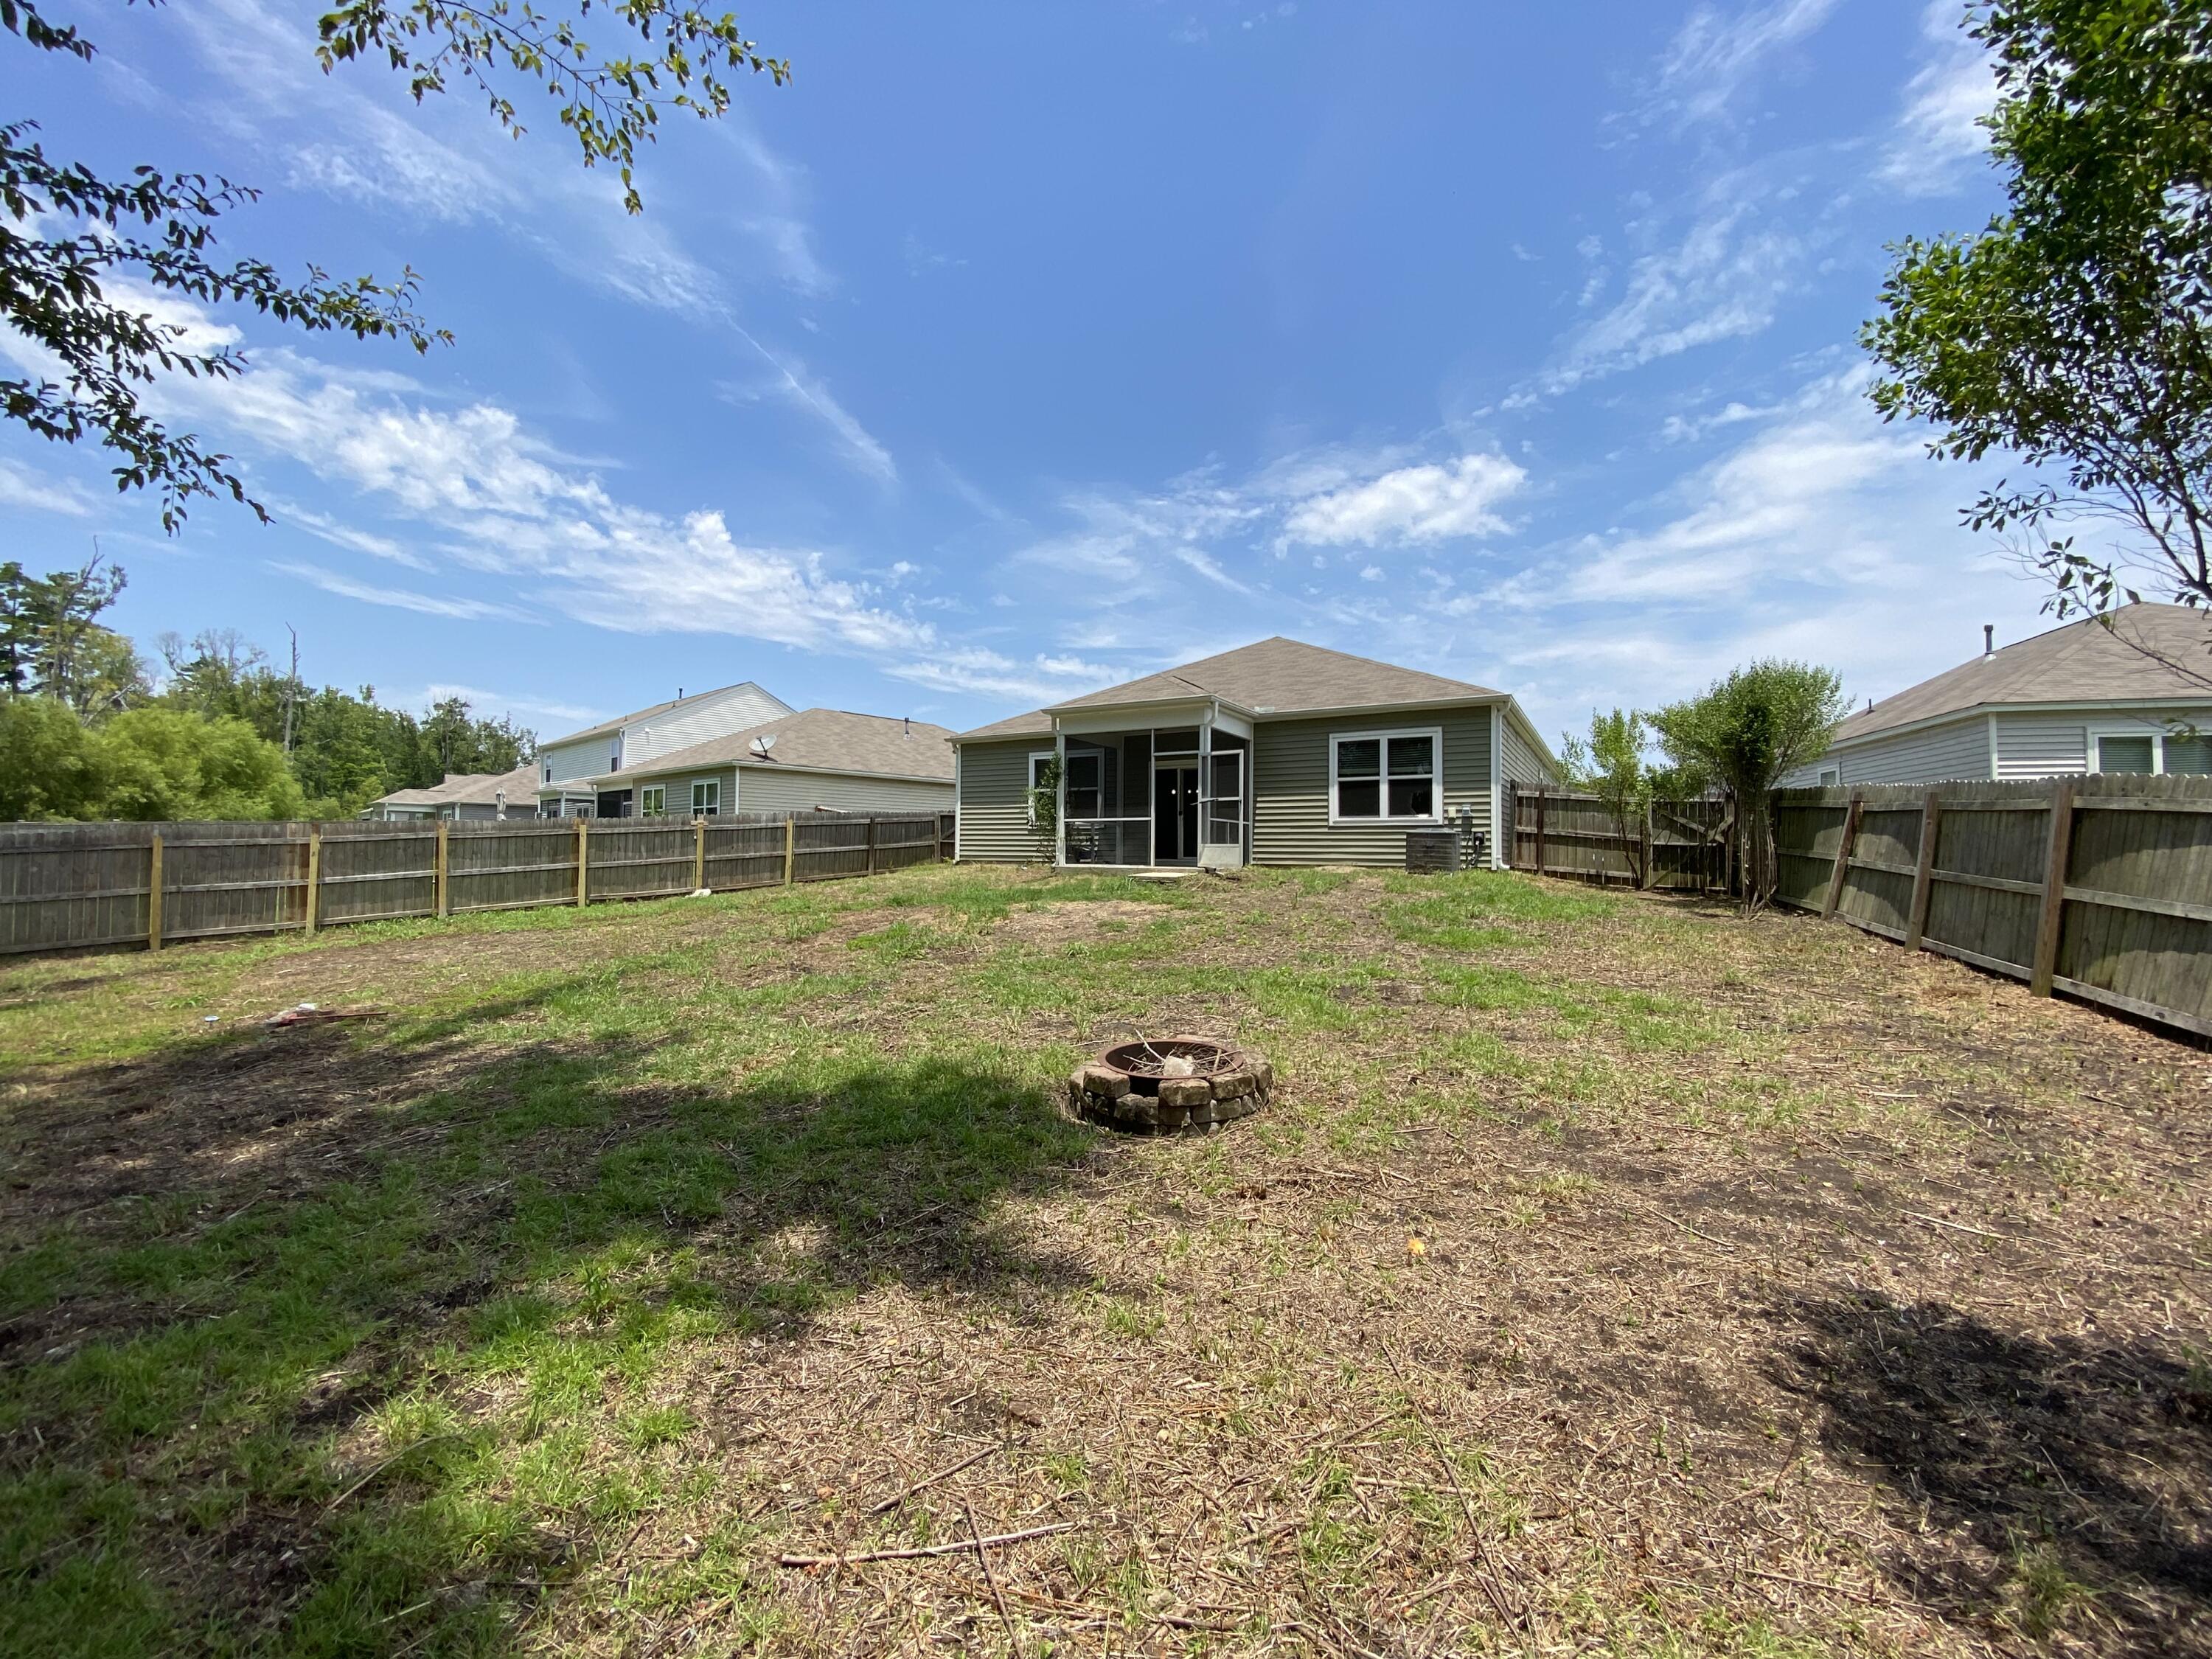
(1832, 777)
(1030, 783)
(658, 812)
(2097, 734)
(1436, 736)
(714, 808)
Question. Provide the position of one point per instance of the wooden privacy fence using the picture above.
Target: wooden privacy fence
(2100, 886)
(67, 886)
(1565, 834)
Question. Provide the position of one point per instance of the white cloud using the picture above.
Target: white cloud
(505, 702)
(24, 486)
(401, 598)
(1724, 280)
(1713, 57)
(1939, 139)
(980, 672)
(1412, 504)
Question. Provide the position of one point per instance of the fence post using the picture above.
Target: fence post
(314, 875)
(1843, 856)
(1644, 879)
(444, 891)
(872, 821)
(583, 860)
(153, 892)
(698, 853)
(1541, 794)
(2054, 889)
(790, 849)
(1509, 847)
(1923, 870)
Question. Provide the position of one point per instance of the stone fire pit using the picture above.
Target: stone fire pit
(1181, 1083)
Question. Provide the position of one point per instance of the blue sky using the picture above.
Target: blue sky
(1015, 349)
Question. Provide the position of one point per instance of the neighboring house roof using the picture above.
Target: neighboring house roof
(607, 728)
(471, 789)
(1275, 676)
(815, 740)
(2148, 653)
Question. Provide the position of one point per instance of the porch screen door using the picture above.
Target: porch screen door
(1175, 814)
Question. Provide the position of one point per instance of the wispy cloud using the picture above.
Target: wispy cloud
(1714, 56)
(400, 598)
(1725, 278)
(25, 486)
(1939, 139)
(505, 702)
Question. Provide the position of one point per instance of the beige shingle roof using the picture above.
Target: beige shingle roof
(818, 740)
(2150, 653)
(1274, 677)
(470, 788)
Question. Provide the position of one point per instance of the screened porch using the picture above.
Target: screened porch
(1161, 796)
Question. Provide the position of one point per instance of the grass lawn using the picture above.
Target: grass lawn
(1610, 1273)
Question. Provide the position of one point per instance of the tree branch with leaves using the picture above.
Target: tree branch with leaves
(79, 296)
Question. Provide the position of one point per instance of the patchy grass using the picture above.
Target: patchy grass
(1610, 1272)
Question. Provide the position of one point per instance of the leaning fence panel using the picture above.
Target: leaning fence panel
(2098, 886)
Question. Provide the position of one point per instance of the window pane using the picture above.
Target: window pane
(1412, 757)
(1413, 798)
(1358, 799)
(2190, 755)
(2124, 754)
(1360, 757)
(1082, 802)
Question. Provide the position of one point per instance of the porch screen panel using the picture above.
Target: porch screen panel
(1137, 774)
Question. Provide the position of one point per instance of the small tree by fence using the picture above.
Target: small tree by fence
(69, 886)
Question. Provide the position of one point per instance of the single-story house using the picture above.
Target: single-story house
(465, 795)
(818, 759)
(2133, 694)
(1277, 753)
(569, 766)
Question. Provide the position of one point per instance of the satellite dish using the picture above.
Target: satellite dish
(762, 744)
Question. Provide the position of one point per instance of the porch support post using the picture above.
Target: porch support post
(1059, 809)
(1205, 782)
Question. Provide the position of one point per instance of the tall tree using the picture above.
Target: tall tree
(67, 233)
(1743, 734)
(2074, 330)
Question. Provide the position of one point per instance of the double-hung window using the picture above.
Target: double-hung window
(2134, 751)
(652, 801)
(705, 798)
(1386, 777)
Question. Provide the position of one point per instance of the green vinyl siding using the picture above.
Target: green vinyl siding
(764, 789)
(995, 808)
(1290, 771)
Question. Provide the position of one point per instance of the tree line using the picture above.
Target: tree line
(210, 729)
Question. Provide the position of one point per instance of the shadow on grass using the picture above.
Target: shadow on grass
(241, 1274)
(2081, 1464)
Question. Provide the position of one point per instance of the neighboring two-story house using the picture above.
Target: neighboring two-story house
(578, 774)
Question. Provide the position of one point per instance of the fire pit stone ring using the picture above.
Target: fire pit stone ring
(1191, 1085)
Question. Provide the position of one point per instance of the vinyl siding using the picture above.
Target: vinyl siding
(572, 762)
(994, 812)
(2044, 745)
(679, 785)
(1518, 762)
(1940, 754)
(697, 720)
(764, 789)
(1291, 778)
